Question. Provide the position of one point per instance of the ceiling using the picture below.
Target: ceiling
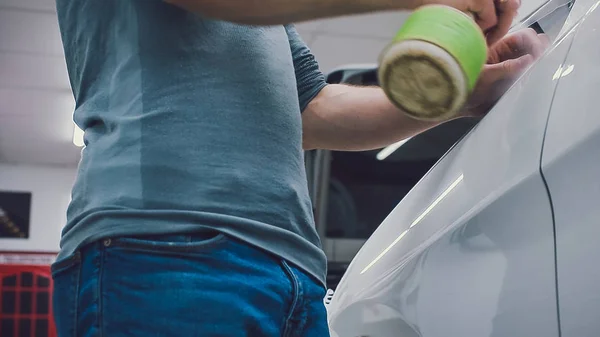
(36, 104)
(35, 98)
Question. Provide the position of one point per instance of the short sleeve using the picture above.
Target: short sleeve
(309, 79)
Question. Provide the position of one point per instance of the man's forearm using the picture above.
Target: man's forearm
(350, 118)
(274, 12)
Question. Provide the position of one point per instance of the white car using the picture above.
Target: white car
(501, 238)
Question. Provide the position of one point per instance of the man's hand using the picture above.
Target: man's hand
(493, 16)
(507, 59)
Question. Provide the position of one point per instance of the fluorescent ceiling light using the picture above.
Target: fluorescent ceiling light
(391, 149)
(77, 136)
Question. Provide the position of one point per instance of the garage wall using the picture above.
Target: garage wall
(51, 193)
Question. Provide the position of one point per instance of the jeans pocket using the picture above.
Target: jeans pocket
(65, 294)
(183, 243)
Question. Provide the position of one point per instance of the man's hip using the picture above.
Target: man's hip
(203, 284)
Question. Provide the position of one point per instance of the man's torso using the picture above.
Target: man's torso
(189, 122)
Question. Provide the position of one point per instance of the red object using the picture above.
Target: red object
(26, 295)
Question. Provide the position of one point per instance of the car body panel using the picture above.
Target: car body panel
(570, 166)
(470, 250)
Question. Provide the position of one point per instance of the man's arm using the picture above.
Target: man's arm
(341, 117)
(348, 118)
(277, 12)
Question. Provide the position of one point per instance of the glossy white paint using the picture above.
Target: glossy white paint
(470, 250)
(570, 165)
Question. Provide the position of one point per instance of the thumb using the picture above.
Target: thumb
(509, 68)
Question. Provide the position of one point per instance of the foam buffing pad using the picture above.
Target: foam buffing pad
(433, 63)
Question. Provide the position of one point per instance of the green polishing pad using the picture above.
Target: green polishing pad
(433, 63)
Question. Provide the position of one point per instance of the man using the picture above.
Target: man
(190, 213)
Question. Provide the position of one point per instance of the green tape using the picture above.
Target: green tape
(451, 30)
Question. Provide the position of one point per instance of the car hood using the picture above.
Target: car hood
(447, 196)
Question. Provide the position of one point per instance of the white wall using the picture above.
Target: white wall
(51, 193)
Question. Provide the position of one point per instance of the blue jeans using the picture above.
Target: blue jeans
(205, 284)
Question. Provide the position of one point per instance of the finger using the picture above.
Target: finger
(520, 43)
(545, 41)
(516, 67)
(485, 15)
(536, 44)
(508, 70)
(506, 10)
(509, 47)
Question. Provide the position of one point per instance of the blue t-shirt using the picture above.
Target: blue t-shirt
(189, 123)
